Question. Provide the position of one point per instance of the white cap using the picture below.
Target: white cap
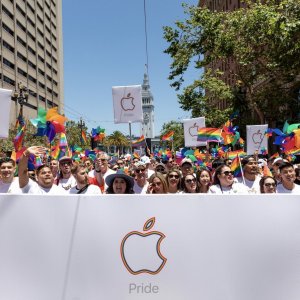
(145, 159)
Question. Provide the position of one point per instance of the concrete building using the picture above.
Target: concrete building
(147, 127)
(32, 53)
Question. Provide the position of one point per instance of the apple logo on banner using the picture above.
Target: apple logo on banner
(193, 130)
(127, 103)
(257, 137)
(140, 251)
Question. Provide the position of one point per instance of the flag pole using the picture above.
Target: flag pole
(130, 137)
(241, 169)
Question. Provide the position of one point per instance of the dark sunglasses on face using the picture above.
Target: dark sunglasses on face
(189, 181)
(174, 176)
(226, 173)
(270, 184)
(139, 170)
(66, 163)
(160, 170)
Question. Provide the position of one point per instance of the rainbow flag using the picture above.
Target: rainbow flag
(266, 171)
(233, 154)
(63, 140)
(83, 136)
(98, 134)
(206, 134)
(141, 142)
(168, 137)
(18, 140)
(236, 167)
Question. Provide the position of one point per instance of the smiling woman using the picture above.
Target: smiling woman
(119, 183)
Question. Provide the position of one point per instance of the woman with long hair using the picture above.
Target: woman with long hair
(157, 184)
(224, 183)
(173, 179)
(119, 183)
(204, 180)
(189, 184)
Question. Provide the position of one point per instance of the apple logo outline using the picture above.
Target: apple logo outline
(123, 99)
(147, 226)
(192, 128)
(257, 133)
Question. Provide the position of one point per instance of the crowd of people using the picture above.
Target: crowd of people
(145, 175)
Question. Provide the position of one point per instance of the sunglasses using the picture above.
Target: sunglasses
(226, 173)
(174, 176)
(66, 163)
(189, 181)
(160, 170)
(103, 159)
(139, 170)
(270, 184)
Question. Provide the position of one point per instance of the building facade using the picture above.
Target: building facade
(147, 127)
(32, 53)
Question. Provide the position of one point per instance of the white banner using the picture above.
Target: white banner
(131, 247)
(127, 101)
(190, 127)
(256, 138)
(5, 102)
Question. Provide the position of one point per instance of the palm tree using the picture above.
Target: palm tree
(117, 139)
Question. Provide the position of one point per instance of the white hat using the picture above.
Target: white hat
(186, 161)
(277, 160)
(145, 159)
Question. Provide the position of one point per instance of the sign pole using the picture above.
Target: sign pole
(130, 137)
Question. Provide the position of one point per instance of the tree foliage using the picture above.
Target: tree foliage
(260, 49)
(118, 139)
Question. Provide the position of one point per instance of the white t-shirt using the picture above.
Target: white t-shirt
(108, 172)
(254, 187)
(236, 188)
(92, 189)
(282, 190)
(140, 190)
(34, 188)
(67, 183)
(11, 188)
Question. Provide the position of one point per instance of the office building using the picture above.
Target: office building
(32, 53)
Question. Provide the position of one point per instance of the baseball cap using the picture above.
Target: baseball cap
(186, 161)
(145, 159)
(276, 160)
(65, 158)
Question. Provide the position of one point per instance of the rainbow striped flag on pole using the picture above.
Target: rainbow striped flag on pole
(141, 142)
(206, 134)
(83, 137)
(236, 167)
(168, 136)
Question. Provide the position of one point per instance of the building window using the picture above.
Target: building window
(31, 78)
(21, 56)
(30, 21)
(9, 81)
(41, 59)
(8, 46)
(40, 32)
(32, 65)
(41, 72)
(21, 41)
(31, 8)
(32, 93)
(31, 50)
(41, 85)
(5, 10)
(20, 71)
(21, 26)
(8, 63)
(41, 98)
(21, 11)
(30, 35)
(40, 19)
(5, 27)
(41, 46)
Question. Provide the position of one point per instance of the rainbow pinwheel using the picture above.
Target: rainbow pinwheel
(49, 123)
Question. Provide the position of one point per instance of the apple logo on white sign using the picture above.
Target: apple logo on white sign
(140, 251)
(257, 137)
(127, 103)
(193, 130)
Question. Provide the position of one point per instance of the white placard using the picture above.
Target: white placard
(127, 101)
(210, 247)
(256, 138)
(190, 127)
(5, 102)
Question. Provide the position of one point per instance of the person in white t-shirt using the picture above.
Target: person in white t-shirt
(251, 174)
(65, 179)
(45, 180)
(224, 182)
(82, 182)
(140, 180)
(8, 183)
(288, 176)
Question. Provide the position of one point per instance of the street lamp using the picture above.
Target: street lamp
(81, 125)
(21, 97)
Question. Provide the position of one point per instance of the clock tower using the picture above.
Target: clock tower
(147, 126)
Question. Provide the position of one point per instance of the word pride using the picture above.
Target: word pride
(143, 288)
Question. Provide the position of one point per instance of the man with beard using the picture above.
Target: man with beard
(8, 183)
(288, 176)
(65, 179)
(140, 180)
(82, 182)
(251, 174)
(45, 180)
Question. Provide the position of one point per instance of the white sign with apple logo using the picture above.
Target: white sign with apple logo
(256, 138)
(191, 127)
(127, 102)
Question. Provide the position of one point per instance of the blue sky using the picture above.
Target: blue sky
(104, 46)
